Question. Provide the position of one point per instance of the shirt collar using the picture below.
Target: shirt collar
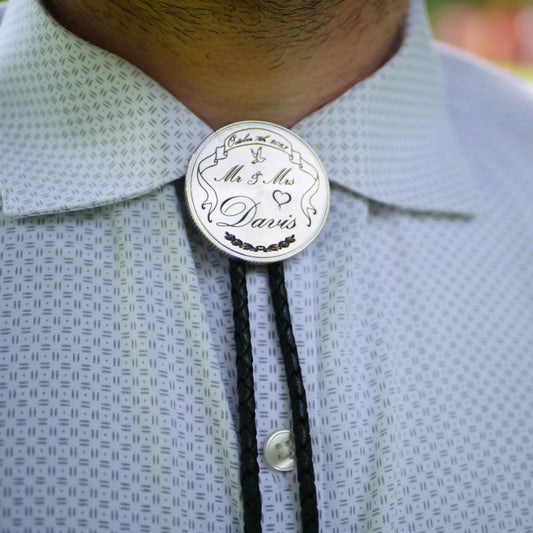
(82, 127)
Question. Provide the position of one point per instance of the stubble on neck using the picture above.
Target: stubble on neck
(230, 60)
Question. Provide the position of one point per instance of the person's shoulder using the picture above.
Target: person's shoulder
(485, 95)
(492, 114)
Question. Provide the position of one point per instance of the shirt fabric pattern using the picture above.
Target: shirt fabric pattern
(412, 309)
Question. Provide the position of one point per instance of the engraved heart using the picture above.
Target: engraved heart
(281, 198)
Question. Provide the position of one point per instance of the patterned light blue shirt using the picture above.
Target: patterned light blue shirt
(412, 309)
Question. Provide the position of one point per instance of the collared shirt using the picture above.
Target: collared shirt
(412, 309)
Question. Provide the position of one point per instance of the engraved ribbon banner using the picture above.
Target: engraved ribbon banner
(259, 161)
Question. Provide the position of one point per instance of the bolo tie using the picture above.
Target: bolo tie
(260, 194)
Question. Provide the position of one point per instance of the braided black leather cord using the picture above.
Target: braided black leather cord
(245, 384)
(300, 417)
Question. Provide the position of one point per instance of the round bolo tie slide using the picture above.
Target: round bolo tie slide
(259, 193)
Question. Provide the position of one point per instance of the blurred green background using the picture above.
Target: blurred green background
(498, 30)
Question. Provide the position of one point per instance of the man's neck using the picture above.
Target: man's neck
(235, 60)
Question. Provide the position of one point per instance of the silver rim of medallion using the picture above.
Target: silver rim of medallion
(257, 191)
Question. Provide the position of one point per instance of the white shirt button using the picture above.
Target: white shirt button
(279, 451)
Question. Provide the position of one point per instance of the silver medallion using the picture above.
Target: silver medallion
(257, 191)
